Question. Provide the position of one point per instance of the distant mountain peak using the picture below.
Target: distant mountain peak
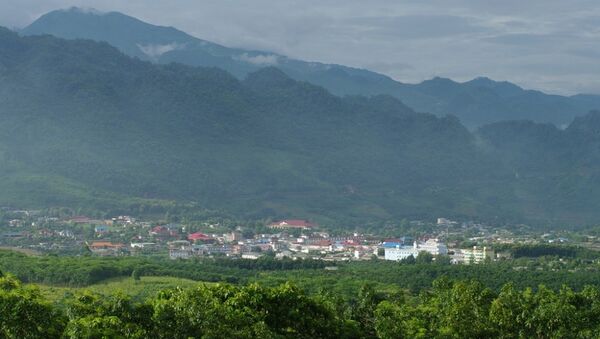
(588, 124)
(482, 80)
(83, 10)
(476, 102)
(485, 81)
(438, 79)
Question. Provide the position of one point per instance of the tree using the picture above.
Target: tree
(363, 311)
(508, 312)
(461, 308)
(410, 260)
(95, 316)
(136, 275)
(424, 257)
(24, 314)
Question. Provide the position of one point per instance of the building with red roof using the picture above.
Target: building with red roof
(198, 236)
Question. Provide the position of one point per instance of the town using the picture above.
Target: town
(443, 239)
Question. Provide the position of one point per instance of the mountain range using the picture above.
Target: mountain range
(475, 103)
(84, 125)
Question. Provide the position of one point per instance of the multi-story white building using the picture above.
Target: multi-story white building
(401, 252)
(432, 246)
(476, 255)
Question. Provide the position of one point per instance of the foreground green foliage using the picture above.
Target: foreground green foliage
(449, 309)
(311, 275)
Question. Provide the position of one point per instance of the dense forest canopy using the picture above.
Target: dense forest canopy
(450, 309)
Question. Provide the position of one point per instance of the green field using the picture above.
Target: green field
(140, 289)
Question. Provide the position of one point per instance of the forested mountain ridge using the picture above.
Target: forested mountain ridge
(85, 112)
(84, 125)
(475, 102)
(554, 168)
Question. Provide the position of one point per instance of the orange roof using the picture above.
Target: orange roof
(106, 244)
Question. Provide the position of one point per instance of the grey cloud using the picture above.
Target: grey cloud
(260, 60)
(593, 54)
(527, 42)
(155, 51)
(418, 26)
(523, 39)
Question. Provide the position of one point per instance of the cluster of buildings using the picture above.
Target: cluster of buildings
(281, 243)
(398, 249)
(293, 238)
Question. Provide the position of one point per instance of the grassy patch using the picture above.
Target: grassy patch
(141, 289)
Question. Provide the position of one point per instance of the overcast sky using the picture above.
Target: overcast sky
(552, 45)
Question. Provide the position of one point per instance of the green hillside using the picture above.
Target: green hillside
(86, 126)
(475, 102)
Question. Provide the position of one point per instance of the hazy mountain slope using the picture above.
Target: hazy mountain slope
(476, 102)
(557, 172)
(269, 145)
(84, 125)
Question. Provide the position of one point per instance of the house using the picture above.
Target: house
(445, 222)
(143, 245)
(180, 253)
(15, 223)
(232, 236)
(251, 255)
(14, 235)
(212, 249)
(432, 246)
(164, 231)
(178, 244)
(322, 246)
(45, 233)
(292, 224)
(284, 254)
(159, 230)
(392, 243)
(105, 248)
(66, 234)
(476, 255)
(101, 229)
(123, 219)
(198, 236)
(395, 242)
(401, 252)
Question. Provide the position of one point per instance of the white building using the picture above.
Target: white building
(476, 255)
(432, 246)
(401, 252)
(251, 255)
(180, 253)
(143, 245)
